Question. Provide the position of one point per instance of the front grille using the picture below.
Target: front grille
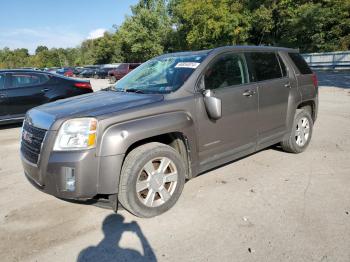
(32, 139)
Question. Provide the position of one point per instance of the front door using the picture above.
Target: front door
(234, 134)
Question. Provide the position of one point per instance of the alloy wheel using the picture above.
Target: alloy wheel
(302, 131)
(157, 182)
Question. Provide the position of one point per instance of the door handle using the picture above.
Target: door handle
(2, 95)
(44, 90)
(287, 85)
(248, 93)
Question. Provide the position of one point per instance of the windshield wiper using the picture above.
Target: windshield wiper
(134, 90)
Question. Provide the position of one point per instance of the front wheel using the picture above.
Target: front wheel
(300, 134)
(152, 179)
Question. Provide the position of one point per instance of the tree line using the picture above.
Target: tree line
(160, 26)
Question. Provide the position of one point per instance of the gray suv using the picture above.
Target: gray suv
(172, 118)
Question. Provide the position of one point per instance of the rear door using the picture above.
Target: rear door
(235, 132)
(274, 87)
(25, 91)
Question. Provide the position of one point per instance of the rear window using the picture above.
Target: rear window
(300, 63)
(123, 67)
(25, 79)
(266, 66)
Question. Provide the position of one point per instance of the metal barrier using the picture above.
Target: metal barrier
(331, 60)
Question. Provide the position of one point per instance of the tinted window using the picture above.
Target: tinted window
(2, 81)
(133, 66)
(283, 66)
(266, 66)
(123, 67)
(43, 78)
(229, 70)
(300, 63)
(25, 79)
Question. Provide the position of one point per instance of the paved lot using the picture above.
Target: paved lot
(270, 206)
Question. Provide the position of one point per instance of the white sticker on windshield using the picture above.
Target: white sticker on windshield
(193, 65)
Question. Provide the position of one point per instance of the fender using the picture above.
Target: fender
(117, 138)
(293, 100)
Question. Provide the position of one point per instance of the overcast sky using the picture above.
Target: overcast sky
(63, 23)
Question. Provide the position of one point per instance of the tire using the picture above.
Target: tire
(152, 186)
(294, 143)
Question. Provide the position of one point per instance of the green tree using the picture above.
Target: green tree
(210, 23)
(318, 25)
(14, 58)
(144, 34)
(41, 48)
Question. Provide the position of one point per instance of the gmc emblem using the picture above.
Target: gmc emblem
(27, 136)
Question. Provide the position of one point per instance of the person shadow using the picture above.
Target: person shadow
(109, 250)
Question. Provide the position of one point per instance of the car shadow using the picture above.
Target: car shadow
(109, 250)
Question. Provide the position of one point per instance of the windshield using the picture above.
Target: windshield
(160, 75)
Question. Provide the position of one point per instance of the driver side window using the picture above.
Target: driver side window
(228, 70)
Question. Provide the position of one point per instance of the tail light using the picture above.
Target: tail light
(85, 85)
(315, 80)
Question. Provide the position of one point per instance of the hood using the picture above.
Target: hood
(93, 104)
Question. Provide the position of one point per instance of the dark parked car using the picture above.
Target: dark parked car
(172, 118)
(88, 73)
(77, 71)
(121, 71)
(101, 73)
(21, 90)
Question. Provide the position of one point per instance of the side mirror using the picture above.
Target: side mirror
(212, 105)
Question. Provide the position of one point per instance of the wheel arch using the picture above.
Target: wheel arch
(309, 105)
(175, 129)
(176, 140)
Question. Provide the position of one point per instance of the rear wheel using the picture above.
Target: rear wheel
(152, 179)
(301, 133)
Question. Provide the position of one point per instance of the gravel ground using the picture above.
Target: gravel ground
(271, 206)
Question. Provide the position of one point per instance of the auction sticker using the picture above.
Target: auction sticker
(193, 65)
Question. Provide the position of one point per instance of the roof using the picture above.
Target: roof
(255, 48)
(22, 70)
(187, 53)
(237, 47)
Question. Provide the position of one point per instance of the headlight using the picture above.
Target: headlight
(77, 134)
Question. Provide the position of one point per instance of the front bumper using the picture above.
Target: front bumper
(93, 175)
